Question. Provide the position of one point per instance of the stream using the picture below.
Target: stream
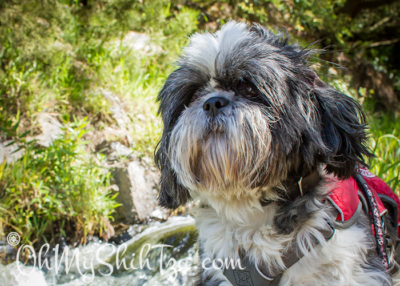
(163, 254)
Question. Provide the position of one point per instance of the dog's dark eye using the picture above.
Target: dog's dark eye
(248, 89)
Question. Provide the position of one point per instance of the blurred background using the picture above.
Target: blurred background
(78, 116)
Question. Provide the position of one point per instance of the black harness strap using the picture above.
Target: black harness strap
(378, 227)
(300, 188)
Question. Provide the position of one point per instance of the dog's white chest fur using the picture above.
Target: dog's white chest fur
(340, 261)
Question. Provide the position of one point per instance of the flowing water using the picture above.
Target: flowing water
(163, 254)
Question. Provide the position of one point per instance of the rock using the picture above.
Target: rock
(177, 227)
(9, 152)
(114, 150)
(137, 186)
(126, 212)
(17, 274)
(120, 149)
(138, 42)
(7, 252)
(51, 129)
(117, 109)
(100, 141)
(157, 214)
(141, 190)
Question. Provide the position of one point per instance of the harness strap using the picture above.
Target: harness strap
(378, 227)
(253, 274)
(300, 187)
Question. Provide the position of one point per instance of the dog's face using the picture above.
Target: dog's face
(244, 112)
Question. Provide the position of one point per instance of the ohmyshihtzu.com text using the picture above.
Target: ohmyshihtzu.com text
(88, 267)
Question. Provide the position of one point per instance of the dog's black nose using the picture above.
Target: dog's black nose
(214, 104)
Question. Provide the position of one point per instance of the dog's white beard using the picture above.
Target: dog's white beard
(226, 157)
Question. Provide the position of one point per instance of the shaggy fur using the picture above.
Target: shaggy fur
(282, 122)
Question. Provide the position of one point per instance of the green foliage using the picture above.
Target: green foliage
(50, 185)
(385, 144)
(57, 57)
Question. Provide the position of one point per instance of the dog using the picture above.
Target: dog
(258, 140)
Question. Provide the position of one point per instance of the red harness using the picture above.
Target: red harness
(349, 197)
(345, 196)
(377, 200)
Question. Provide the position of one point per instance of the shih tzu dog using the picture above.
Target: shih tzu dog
(253, 134)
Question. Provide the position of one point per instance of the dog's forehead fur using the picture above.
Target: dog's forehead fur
(256, 54)
(235, 47)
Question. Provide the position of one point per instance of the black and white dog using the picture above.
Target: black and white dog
(245, 118)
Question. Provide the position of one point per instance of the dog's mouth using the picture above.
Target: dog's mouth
(216, 163)
(215, 125)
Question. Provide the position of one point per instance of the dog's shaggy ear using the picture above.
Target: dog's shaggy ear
(172, 194)
(343, 129)
(174, 96)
